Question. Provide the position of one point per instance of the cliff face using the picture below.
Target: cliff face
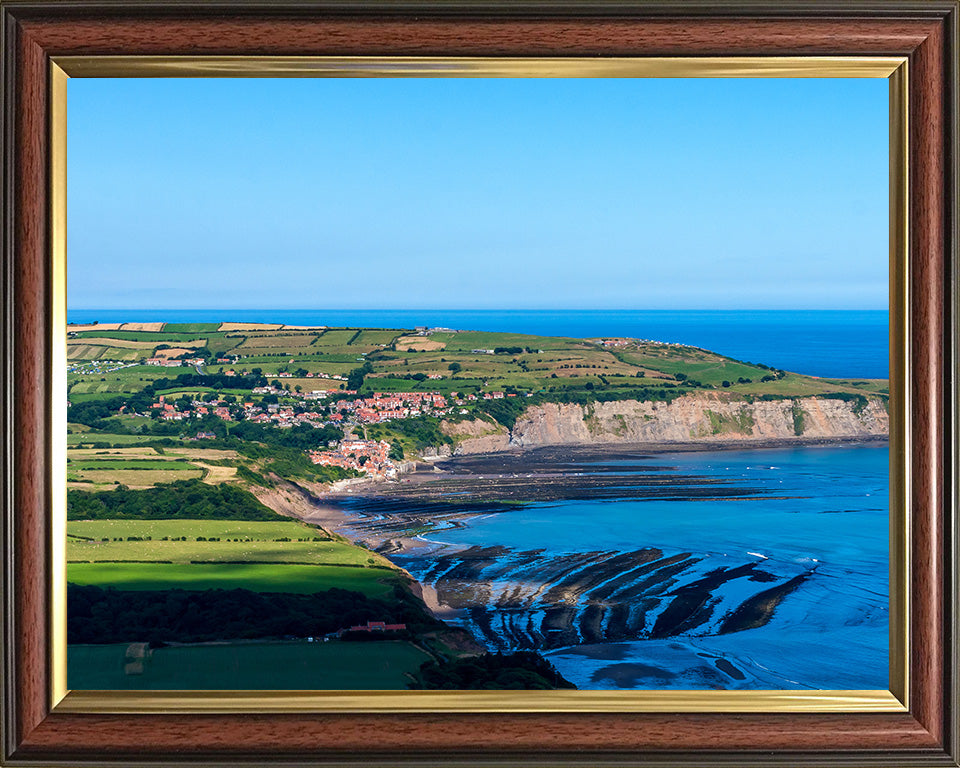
(701, 417)
(478, 436)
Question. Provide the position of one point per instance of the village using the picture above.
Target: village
(369, 457)
(281, 406)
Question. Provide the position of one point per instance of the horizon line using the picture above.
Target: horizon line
(476, 309)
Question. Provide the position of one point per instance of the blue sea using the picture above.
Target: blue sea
(828, 343)
(819, 511)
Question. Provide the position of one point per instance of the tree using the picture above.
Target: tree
(455, 367)
(355, 377)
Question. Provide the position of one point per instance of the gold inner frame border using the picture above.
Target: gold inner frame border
(894, 69)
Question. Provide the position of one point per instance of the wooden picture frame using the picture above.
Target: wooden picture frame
(38, 731)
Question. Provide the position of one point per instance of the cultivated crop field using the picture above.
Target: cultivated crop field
(131, 379)
(99, 479)
(94, 469)
(273, 342)
(337, 337)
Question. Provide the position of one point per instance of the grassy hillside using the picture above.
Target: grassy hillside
(448, 361)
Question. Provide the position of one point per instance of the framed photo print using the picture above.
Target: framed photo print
(466, 384)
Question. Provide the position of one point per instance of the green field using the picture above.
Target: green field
(190, 327)
(258, 577)
(154, 337)
(86, 438)
(333, 665)
(253, 541)
(87, 386)
(127, 463)
(375, 336)
(78, 352)
(336, 337)
(87, 352)
(221, 344)
(467, 340)
(801, 386)
(276, 342)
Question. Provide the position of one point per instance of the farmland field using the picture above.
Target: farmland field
(86, 438)
(333, 665)
(467, 340)
(336, 337)
(580, 363)
(130, 379)
(374, 336)
(86, 352)
(219, 345)
(239, 540)
(258, 577)
(126, 463)
(153, 337)
(232, 327)
(122, 343)
(274, 342)
(97, 479)
(190, 327)
(141, 466)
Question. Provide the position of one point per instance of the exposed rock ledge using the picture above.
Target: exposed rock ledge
(694, 418)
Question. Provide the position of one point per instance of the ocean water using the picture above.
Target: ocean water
(819, 511)
(828, 343)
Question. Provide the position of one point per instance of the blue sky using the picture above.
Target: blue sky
(470, 193)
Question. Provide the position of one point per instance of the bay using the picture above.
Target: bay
(816, 515)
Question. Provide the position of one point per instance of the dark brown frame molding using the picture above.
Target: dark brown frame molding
(925, 32)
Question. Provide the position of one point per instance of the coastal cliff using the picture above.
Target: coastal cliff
(694, 418)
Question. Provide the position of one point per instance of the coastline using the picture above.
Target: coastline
(699, 601)
(688, 446)
(330, 507)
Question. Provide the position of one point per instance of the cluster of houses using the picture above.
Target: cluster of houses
(170, 412)
(616, 342)
(384, 406)
(280, 416)
(624, 342)
(381, 407)
(172, 362)
(368, 456)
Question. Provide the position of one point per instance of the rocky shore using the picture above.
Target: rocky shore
(529, 598)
